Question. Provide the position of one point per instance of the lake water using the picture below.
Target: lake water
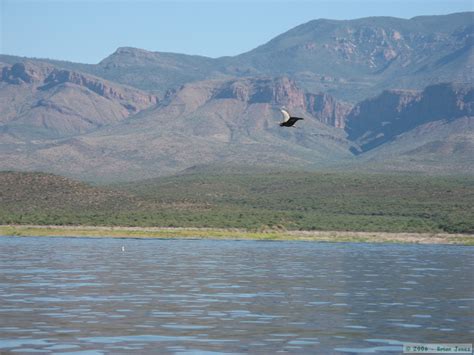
(87, 296)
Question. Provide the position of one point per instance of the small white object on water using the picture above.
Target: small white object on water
(123, 248)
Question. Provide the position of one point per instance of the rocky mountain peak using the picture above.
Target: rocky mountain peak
(133, 53)
(129, 50)
(127, 56)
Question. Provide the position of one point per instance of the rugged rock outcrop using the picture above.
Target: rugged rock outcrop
(277, 91)
(24, 73)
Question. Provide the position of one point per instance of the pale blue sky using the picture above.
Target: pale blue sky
(88, 30)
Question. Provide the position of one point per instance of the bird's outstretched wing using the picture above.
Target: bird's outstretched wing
(293, 120)
(286, 115)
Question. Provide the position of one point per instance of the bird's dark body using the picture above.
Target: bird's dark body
(290, 122)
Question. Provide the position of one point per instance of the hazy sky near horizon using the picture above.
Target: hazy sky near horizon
(87, 31)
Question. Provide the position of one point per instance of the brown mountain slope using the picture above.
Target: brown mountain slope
(225, 122)
(235, 123)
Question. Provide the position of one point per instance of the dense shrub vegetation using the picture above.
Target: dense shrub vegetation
(273, 200)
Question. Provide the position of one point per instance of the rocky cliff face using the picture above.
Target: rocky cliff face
(41, 97)
(327, 109)
(132, 99)
(378, 120)
(284, 92)
(275, 91)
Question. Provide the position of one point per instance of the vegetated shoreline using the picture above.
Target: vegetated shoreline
(232, 234)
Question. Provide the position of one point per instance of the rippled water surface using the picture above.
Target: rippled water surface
(67, 295)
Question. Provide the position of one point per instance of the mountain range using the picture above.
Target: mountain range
(376, 93)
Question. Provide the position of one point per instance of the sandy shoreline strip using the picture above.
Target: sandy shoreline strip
(239, 234)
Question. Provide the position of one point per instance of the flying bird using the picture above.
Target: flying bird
(288, 121)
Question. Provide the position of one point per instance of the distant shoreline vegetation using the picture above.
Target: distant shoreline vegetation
(233, 234)
(255, 202)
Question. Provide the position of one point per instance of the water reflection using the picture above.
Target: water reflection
(87, 295)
